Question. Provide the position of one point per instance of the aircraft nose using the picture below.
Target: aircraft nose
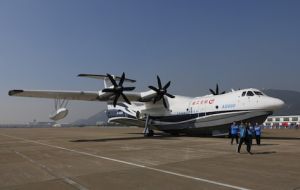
(277, 103)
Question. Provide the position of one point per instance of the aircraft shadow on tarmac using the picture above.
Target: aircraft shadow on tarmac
(259, 153)
(266, 152)
(162, 137)
(264, 144)
(282, 138)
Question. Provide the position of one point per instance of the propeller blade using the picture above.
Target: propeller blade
(118, 89)
(155, 99)
(116, 99)
(161, 92)
(159, 82)
(153, 88)
(170, 95)
(211, 91)
(160, 97)
(125, 98)
(217, 92)
(167, 85)
(128, 88)
(165, 103)
(108, 90)
(122, 79)
(112, 80)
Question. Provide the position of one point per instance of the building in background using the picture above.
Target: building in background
(283, 121)
(36, 123)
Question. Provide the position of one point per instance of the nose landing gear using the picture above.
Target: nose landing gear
(148, 132)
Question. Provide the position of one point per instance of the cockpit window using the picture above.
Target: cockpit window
(244, 93)
(250, 93)
(258, 93)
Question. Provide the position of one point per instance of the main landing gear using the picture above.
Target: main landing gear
(148, 132)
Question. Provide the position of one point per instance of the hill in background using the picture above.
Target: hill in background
(99, 117)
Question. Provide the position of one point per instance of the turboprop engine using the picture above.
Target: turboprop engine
(59, 114)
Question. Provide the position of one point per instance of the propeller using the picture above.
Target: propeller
(118, 89)
(217, 91)
(161, 92)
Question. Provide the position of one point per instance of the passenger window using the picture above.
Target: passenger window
(250, 93)
(243, 94)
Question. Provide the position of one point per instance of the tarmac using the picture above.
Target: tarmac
(121, 158)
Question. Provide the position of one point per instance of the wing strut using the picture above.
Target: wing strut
(60, 103)
(60, 109)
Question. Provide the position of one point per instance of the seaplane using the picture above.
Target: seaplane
(157, 109)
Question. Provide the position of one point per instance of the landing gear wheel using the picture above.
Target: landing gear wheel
(138, 115)
(150, 133)
(176, 134)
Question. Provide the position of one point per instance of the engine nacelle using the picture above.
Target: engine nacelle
(59, 114)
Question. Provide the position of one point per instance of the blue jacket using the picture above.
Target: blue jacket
(257, 130)
(234, 129)
(251, 131)
(242, 131)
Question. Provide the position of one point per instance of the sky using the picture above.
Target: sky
(194, 44)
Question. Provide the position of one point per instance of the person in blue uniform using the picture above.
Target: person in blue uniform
(243, 131)
(248, 137)
(245, 137)
(252, 131)
(234, 129)
(257, 128)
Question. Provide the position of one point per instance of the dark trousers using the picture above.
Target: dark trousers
(236, 139)
(257, 139)
(242, 140)
(248, 142)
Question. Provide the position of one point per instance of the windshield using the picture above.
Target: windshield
(258, 93)
(250, 93)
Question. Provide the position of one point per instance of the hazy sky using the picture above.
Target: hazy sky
(195, 44)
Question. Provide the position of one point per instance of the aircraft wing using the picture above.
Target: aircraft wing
(67, 95)
(82, 95)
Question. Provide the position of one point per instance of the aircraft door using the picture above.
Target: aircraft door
(201, 109)
(193, 108)
(198, 106)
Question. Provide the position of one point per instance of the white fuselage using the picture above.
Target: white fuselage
(211, 111)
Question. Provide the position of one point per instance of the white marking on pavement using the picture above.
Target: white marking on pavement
(65, 179)
(130, 163)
